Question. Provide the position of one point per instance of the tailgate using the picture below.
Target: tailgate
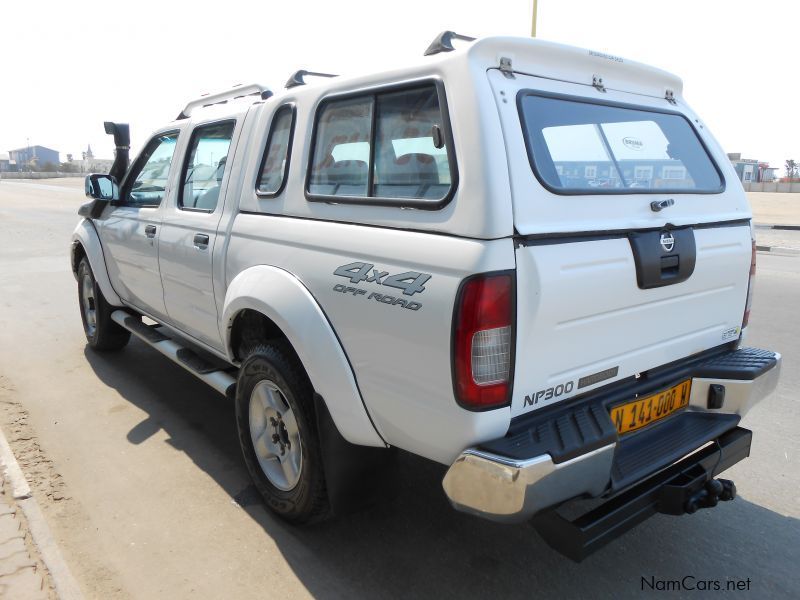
(608, 285)
(583, 321)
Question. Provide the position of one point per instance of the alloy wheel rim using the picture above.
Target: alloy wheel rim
(89, 304)
(275, 435)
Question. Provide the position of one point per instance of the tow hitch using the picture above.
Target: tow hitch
(707, 497)
(684, 487)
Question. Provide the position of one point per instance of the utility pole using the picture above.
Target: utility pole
(533, 21)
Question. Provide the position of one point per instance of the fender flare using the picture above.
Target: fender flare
(281, 297)
(85, 234)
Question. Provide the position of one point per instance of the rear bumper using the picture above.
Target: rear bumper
(575, 452)
(684, 487)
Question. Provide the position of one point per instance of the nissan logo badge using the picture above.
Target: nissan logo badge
(667, 241)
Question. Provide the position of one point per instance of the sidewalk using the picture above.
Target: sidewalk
(31, 565)
(22, 575)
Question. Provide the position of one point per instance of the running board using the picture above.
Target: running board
(219, 379)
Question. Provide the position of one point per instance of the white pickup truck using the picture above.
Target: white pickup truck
(528, 262)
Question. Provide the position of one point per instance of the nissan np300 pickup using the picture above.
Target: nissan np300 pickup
(529, 262)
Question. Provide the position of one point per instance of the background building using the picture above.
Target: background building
(6, 164)
(766, 173)
(34, 156)
(750, 170)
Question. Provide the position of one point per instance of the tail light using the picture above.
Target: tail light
(746, 317)
(483, 336)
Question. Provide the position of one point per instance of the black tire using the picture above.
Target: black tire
(104, 334)
(277, 365)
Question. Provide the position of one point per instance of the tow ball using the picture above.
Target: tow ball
(713, 491)
(691, 491)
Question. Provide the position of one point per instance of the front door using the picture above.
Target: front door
(189, 232)
(130, 233)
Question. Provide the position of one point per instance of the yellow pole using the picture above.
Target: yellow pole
(533, 24)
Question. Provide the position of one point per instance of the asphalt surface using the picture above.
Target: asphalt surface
(137, 468)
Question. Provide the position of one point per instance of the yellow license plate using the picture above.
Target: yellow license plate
(640, 413)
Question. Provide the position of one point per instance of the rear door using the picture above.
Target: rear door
(632, 252)
(189, 231)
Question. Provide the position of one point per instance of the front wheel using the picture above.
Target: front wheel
(278, 434)
(101, 331)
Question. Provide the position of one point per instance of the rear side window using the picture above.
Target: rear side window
(205, 166)
(276, 155)
(342, 149)
(578, 147)
(388, 148)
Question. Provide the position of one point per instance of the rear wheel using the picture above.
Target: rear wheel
(101, 331)
(278, 434)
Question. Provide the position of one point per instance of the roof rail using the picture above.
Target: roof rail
(444, 42)
(237, 91)
(297, 77)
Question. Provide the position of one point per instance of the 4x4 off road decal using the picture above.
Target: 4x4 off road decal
(410, 282)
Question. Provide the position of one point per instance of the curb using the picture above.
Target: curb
(784, 227)
(779, 250)
(66, 586)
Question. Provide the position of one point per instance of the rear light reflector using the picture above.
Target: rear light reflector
(491, 355)
(483, 328)
(749, 303)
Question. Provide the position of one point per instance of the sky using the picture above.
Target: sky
(69, 66)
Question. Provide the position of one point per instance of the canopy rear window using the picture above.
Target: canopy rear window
(585, 147)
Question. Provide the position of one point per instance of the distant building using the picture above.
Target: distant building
(6, 164)
(97, 165)
(34, 156)
(750, 170)
(767, 174)
(91, 164)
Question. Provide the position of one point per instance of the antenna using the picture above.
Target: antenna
(297, 77)
(444, 42)
(237, 91)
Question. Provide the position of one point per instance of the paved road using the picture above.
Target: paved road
(137, 467)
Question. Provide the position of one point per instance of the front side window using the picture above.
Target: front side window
(149, 185)
(387, 146)
(581, 147)
(276, 156)
(205, 166)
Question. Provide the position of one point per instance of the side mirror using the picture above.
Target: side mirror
(103, 190)
(101, 187)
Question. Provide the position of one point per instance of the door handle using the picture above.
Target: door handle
(200, 241)
(150, 231)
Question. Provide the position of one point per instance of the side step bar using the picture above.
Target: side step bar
(684, 487)
(219, 379)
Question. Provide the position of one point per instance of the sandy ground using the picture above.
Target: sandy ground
(775, 209)
(137, 467)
